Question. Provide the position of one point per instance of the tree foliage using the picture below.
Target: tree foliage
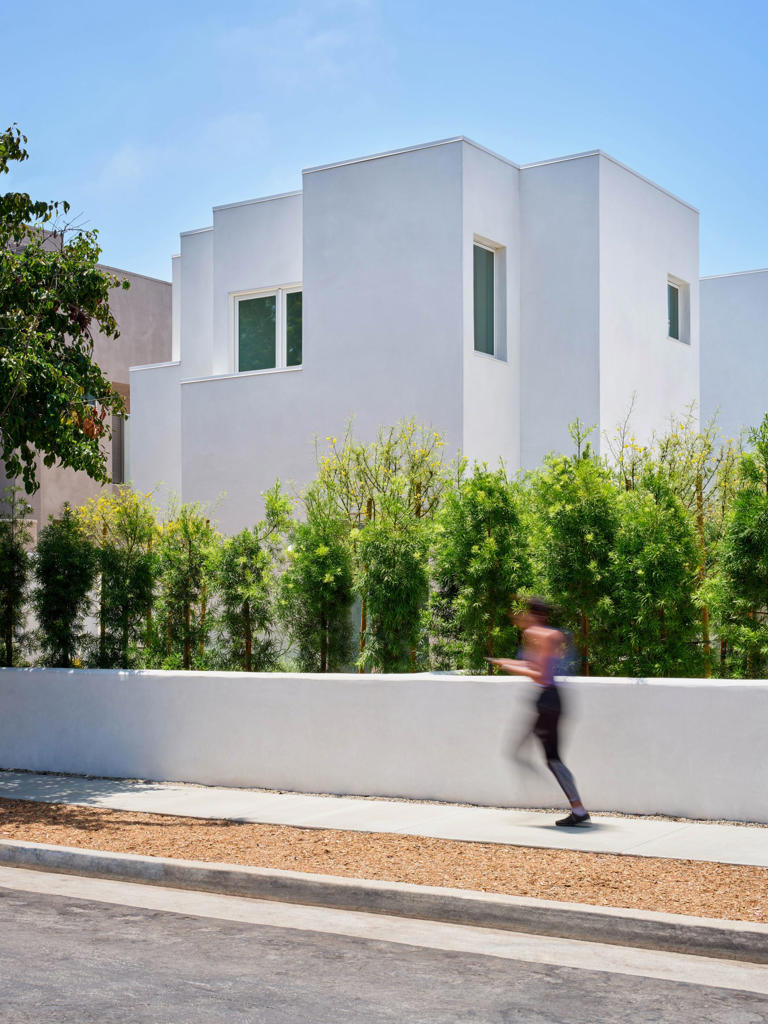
(740, 588)
(66, 565)
(633, 549)
(388, 491)
(122, 528)
(181, 622)
(577, 519)
(245, 576)
(393, 582)
(14, 575)
(480, 565)
(316, 591)
(404, 462)
(54, 399)
(651, 626)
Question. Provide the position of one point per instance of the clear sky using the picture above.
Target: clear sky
(144, 115)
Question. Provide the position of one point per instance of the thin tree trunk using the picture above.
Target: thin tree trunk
(363, 627)
(489, 643)
(187, 638)
(9, 638)
(203, 608)
(363, 604)
(324, 645)
(750, 666)
(102, 599)
(124, 644)
(585, 630)
(702, 571)
(248, 639)
(492, 609)
(149, 606)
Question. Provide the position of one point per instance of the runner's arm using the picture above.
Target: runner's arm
(515, 667)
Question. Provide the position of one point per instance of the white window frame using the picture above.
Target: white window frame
(683, 310)
(499, 253)
(280, 294)
(670, 335)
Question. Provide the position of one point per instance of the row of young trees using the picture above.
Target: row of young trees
(396, 559)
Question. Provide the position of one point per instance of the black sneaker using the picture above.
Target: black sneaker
(574, 819)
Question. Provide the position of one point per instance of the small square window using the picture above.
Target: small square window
(268, 330)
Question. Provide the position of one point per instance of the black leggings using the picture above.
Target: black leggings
(545, 728)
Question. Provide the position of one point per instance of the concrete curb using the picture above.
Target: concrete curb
(729, 940)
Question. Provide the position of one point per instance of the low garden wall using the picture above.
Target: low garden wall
(693, 748)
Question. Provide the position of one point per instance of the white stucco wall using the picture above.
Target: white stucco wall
(680, 747)
(491, 386)
(559, 275)
(155, 434)
(197, 303)
(734, 349)
(242, 433)
(176, 307)
(383, 287)
(646, 235)
(256, 245)
(381, 282)
(382, 249)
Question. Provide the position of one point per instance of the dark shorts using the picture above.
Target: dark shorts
(545, 728)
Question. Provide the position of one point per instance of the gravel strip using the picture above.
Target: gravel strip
(671, 886)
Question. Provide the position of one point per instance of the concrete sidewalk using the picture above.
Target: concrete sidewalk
(729, 844)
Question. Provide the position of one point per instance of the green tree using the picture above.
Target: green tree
(393, 582)
(316, 589)
(66, 564)
(244, 573)
(480, 563)
(54, 400)
(404, 461)
(400, 476)
(123, 529)
(14, 574)
(652, 621)
(181, 624)
(701, 469)
(574, 533)
(740, 589)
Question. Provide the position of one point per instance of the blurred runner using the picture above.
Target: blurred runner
(543, 651)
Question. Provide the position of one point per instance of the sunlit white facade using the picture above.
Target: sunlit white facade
(492, 302)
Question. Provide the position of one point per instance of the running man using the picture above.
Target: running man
(543, 649)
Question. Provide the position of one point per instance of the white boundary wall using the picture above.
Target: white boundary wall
(692, 748)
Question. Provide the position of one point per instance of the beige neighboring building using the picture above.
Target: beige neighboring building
(143, 315)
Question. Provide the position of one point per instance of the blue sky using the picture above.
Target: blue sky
(144, 115)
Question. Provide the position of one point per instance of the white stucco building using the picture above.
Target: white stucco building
(492, 301)
(734, 349)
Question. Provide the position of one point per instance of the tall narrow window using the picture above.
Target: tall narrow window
(673, 311)
(293, 320)
(256, 336)
(118, 450)
(484, 299)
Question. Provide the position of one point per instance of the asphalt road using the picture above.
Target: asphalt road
(80, 961)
